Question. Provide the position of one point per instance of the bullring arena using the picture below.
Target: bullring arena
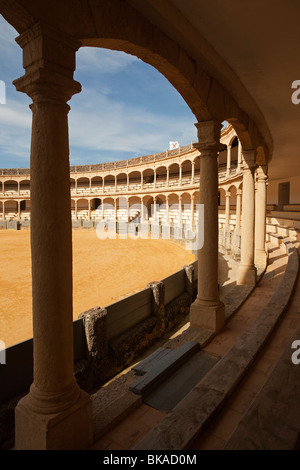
(203, 351)
(162, 188)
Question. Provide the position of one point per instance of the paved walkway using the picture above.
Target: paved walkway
(141, 420)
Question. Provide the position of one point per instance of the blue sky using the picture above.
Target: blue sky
(126, 108)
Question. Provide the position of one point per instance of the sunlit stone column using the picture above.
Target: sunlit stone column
(208, 311)
(228, 160)
(180, 174)
(193, 172)
(239, 156)
(227, 210)
(247, 270)
(238, 210)
(55, 414)
(180, 210)
(260, 216)
(76, 212)
(154, 208)
(168, 176)
(167, 210)
(89, 209)
(192, 209)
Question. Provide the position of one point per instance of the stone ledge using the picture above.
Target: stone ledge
(272, 421)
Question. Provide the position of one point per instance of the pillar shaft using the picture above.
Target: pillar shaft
(228, 160)
(208, 311)
(238, 210)
(260, 216)
(247, 271)
(227, 210)
(55, 400)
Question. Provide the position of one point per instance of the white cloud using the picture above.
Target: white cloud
(92, 59)
(99, 123)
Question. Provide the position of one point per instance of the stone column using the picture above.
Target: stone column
(154, 179)
(238, 210)
(180, 174)
(247, 270)
(142, 209)
(193, 172)
(260, 216)
(227, 210)
(167, 210)
(115, 206)
(127, 182)
(154, 214)
(19, 210)
(228, 160)
(142, 180)
(76, 214)
(115, 183)
(168, 176)
(180, 210)
(89, 209)
(192, 209)
(208, 311)
(55, 414)
(239, 156)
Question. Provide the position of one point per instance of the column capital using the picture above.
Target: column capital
(262, 174)
(49, 63)
(228, 194)
(249, 160)
(209, 133)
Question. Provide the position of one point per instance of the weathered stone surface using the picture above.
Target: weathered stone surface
(272, 421)
(180, 427)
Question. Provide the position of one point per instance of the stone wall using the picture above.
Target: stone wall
(106, 357)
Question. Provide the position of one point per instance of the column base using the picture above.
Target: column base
(260, 258)
(247, 275)
(207, 315)
(71, 429)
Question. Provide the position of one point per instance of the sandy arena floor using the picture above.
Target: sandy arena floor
(104, 272)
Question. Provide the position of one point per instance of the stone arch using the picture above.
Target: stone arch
(134, 178)
(24, 185)
(161, 176)
(109, 183)
(96, 183)
(232, 190)
(120, 26)
(186, 168)
(83, 183)
(10, 185)
(121, 181)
